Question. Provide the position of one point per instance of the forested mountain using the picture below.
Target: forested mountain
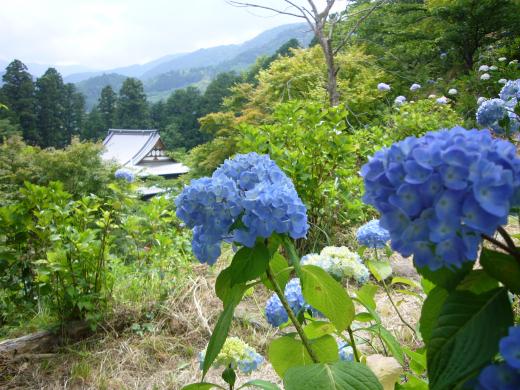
(164, 75)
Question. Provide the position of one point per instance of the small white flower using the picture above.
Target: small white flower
(481, 100)
(383, 87)
(514, 62)
(432, 96)
(453, 91)
(485, 76)
(415, 87)
(444, 55)
(502, 81)
(483, 68)
(502, 59)
(493, 67)
(399, 100)
(442, 100)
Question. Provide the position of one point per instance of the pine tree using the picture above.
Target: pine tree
(18, 95)
(94, 128)
(107, 107)
(50, 109)
(132, 107)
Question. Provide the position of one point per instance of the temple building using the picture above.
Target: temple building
(142, 152)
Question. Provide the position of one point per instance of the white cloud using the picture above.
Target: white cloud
(109, 33)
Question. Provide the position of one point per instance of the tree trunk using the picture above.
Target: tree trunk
(332, 83)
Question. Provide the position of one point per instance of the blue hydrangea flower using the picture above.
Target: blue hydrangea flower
(492, 111)
(499, 377)
(485, 76)
(510, 347)
(274, 310)
(439, 193)
(383, 87)
(346, 352)
(442, 100)
(511, 90)
(372, 235)
(414, 87)
(399, 100)
(125, 174)
(250, 188)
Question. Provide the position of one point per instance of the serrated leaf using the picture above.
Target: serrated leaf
(261, 384)
(336, 376)
(445, 277)
(281, 271)
(286, 352)
(366, 295)
(248, 263)
(380, 269)
(316, 329)
(430, 312)
(502, 267)
(220, 332)
(325, 294)
(202, 386)
(466, 335)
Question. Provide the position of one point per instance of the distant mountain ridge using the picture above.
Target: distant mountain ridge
(165, 74)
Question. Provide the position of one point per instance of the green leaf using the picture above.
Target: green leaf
(286, 352)
(430, 311)
(408, 282)
(363, 317)
(337, 376)
(219, 335)
(478, 282)
(416, 359)
(445, 277)
(223, 288)
(380, 269)
(261, 384)
(281, 271)
(390, 341)
(229, 377)
(366, 295)
(323, 293)
(504, 268)
(466, 335)
(249, 263)
(316, 329)
(413, 383)
(202, 386)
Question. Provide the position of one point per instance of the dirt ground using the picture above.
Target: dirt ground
(165, 355)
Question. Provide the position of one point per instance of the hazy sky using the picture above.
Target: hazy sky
(109, 33)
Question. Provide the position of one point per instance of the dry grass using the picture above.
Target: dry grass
(166, 357)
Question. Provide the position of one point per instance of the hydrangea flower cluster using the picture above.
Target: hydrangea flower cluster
(249, 190)
(439, 193)
(507, 374)
(442, 100)
(372, 235)
(383, 87)
(415, 87)
(339, 262)
(399, 100)
(125, 174)
(275, 312)
(237, 354)
(485, 76)
(453, 91)
(491, 112)
(483, 68)
(346, 352)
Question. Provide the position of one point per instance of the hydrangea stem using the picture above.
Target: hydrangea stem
(389, 295)
(510, 248)
(291, 314)
(353, 343)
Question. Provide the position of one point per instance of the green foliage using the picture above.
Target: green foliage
(132, 107)
(79, 167)
(331, 376)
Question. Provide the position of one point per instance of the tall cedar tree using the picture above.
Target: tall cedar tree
(107, 107)
(18, 95)
(50, 109)
(74, 111)
(132, 107)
